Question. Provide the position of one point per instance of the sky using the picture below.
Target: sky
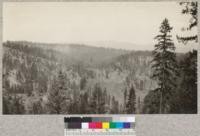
(126, 25)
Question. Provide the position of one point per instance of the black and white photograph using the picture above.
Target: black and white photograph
(99, 57)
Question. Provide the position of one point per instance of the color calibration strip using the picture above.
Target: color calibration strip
(101, 126)
(99, 123)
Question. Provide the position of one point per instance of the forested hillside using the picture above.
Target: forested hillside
(31, 71)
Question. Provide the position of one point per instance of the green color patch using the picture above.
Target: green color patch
(112, 125)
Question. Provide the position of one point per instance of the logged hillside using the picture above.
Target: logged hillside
(29, 71)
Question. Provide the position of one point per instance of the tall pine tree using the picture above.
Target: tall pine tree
(164, 65)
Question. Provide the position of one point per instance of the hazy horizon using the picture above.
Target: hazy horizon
(182, 48)
(124, 25)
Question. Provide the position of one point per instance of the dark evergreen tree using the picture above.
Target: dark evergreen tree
(164, 66)
(151, 102)
(185, 100)
(57, 100)
(139, 106)
(115, 106)
(83, 83)
(103, 102)
(93, 101)
(29, 87)
(99, 99)
(6, 104)
(84, 104)
(13, 105)
(131, 103)
(73, 107)
(189, 83)
(108, 104)
(37, 107)
(125, 100)
(34, 71)
(18, 105)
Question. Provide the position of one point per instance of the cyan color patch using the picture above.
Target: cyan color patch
(119, 125)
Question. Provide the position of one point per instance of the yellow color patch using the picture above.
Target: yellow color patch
(105, 125)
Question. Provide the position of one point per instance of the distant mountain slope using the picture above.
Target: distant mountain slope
(120, 45)
(70, 53)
